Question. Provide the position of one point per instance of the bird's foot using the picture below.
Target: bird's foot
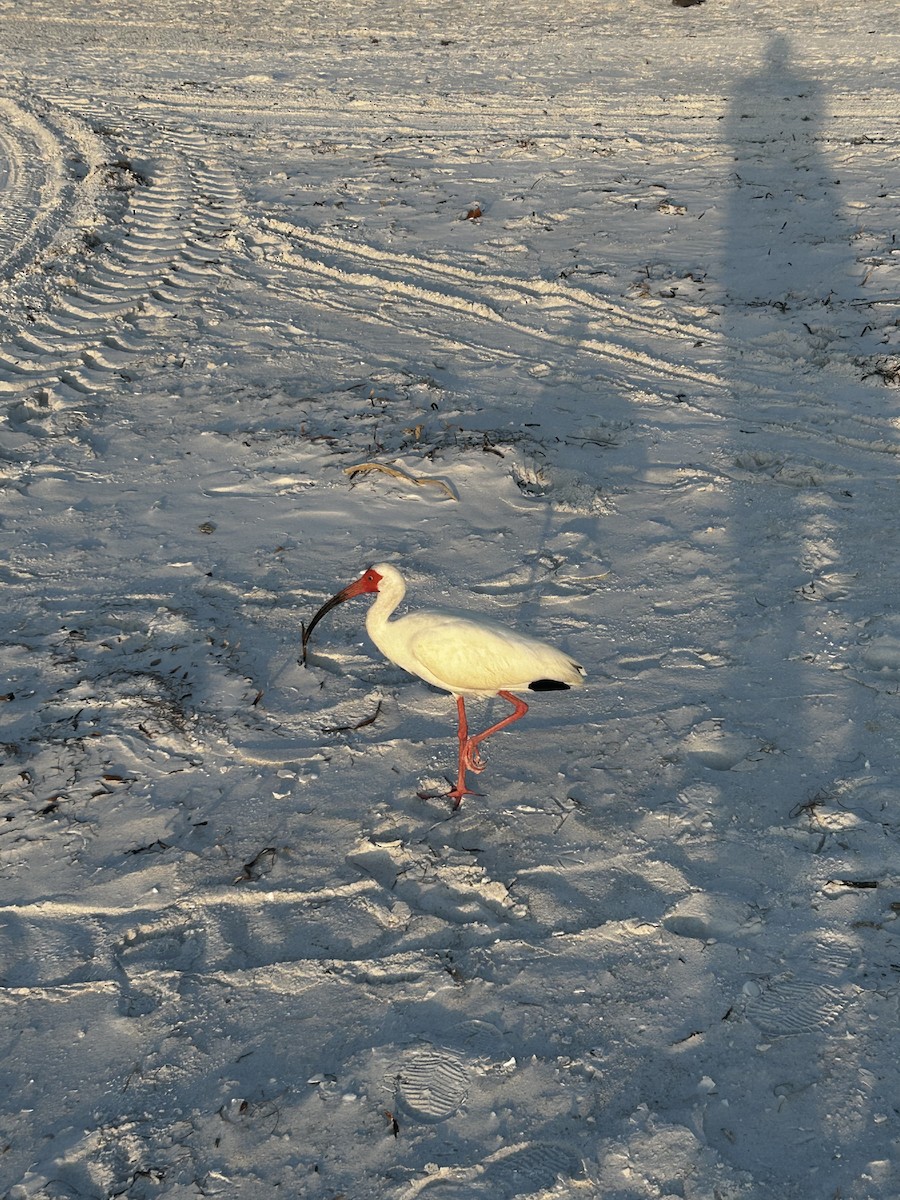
(472, 759)
(455, 793)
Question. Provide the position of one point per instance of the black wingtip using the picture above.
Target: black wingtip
(548, 685)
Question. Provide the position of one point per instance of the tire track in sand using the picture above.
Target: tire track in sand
(511, 317)
(555, 320)
(111, 224)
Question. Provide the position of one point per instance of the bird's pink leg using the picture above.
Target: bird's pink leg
(473, 758)
(469, 758)
(461, 790)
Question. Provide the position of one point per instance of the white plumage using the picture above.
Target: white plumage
(466, 656)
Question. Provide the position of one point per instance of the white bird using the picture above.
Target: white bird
(462, 655)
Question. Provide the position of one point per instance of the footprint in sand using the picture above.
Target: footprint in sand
(432, 1085)
(807, 999)
(525, 1169)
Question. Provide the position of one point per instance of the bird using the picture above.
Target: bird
(467, 656)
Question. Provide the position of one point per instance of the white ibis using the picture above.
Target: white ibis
(465, 656)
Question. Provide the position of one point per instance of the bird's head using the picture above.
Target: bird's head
(367, 582)
(371, 580)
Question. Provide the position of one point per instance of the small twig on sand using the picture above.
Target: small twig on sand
(359, 724)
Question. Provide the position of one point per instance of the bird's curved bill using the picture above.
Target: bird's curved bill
(347, 593)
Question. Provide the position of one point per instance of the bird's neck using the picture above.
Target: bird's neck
(379, 613)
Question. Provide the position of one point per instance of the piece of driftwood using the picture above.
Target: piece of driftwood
(398, 474)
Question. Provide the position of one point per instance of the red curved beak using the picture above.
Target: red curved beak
(367, 582)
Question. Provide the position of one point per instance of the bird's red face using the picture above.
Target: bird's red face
(367, 582)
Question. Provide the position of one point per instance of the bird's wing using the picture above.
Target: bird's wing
(464, 655)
